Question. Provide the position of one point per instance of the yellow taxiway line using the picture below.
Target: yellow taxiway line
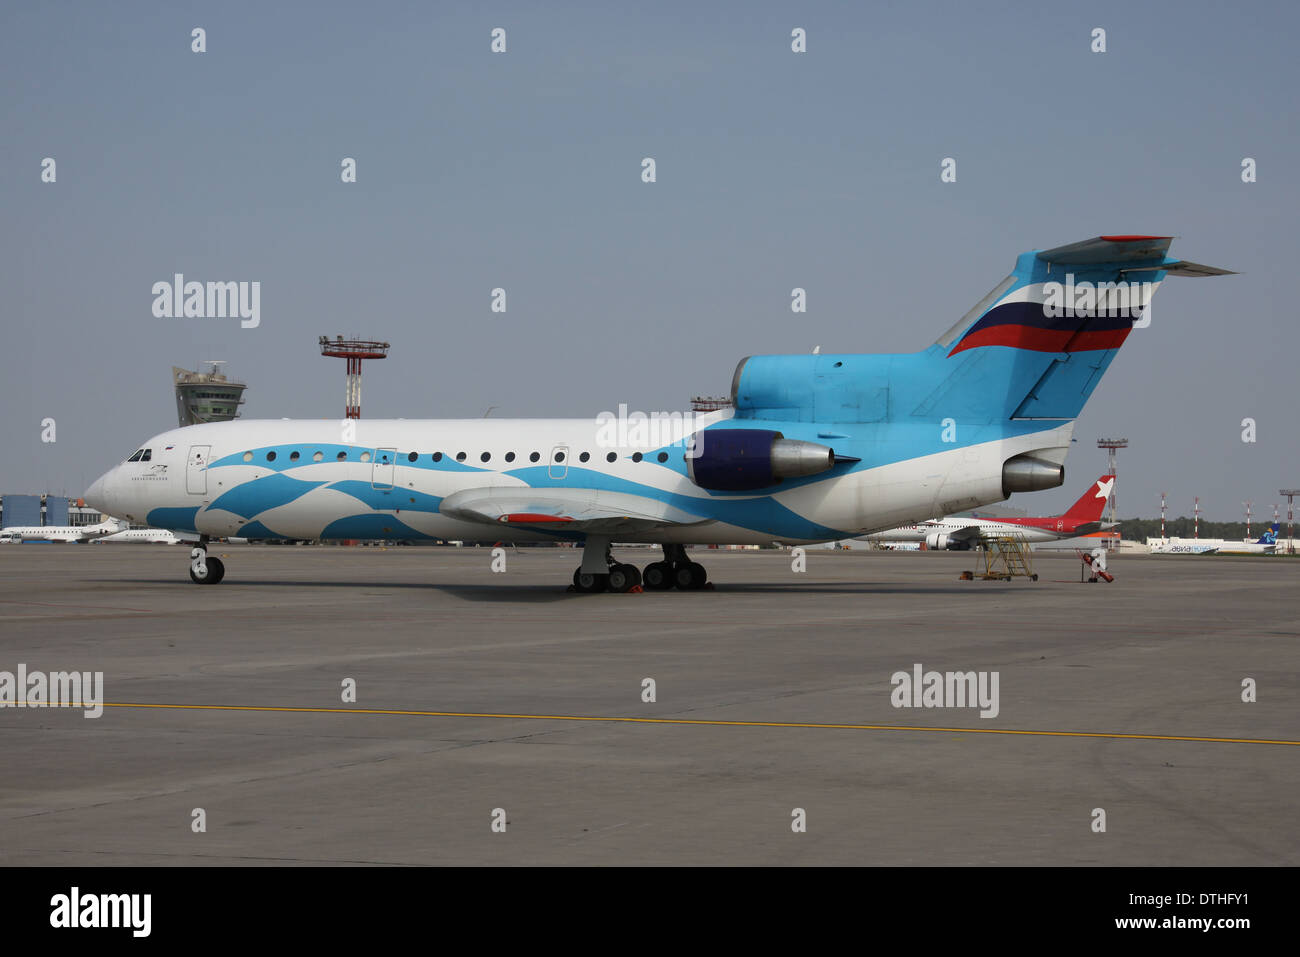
(707, 722)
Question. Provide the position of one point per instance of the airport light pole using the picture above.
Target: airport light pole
(1248, 505)
(1162, 517)
(1197, 527)
(353, 350)
(1112, 446)
(1290, 494)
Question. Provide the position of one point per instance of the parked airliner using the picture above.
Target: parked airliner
(1266, 544)
(60, 533)
(815, 448)
(143, 536)
(954, 532)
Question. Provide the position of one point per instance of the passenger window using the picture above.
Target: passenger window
(533, 456)
(510, 456)
(584, 456)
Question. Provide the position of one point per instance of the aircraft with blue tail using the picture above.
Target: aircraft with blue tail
(1266, 544)
(815, 448)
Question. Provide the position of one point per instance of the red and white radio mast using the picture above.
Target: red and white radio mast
(354, 350)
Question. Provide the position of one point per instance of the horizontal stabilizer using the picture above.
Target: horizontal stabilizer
(1109, 249)
(1184, 268)
(1145, 253)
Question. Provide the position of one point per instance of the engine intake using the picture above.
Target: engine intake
(742, 460)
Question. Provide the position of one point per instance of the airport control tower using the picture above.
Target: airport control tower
(206, 396)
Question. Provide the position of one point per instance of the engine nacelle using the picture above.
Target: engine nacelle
(945, 540)
(936, 540)
(744, 460)
(1025, 473)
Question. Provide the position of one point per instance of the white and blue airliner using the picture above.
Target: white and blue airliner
(815, 447)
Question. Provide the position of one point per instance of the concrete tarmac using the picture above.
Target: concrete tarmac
(1163, 651)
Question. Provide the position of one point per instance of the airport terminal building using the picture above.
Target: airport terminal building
(45, 510)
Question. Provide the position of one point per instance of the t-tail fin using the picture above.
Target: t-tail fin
(1034, 348)
(1044, 337)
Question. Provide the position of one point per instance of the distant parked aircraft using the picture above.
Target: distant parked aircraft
(60, 533)
(1082, 518)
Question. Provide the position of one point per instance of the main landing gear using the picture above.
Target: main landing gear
(600, 572)
(205, 570)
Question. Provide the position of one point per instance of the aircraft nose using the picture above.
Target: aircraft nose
(97, 495)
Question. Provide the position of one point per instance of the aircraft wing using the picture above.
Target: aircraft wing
(564, 510)
(967, 535)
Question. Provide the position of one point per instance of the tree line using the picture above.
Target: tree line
(1140, 529)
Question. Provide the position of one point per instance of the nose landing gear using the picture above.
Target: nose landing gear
(205, 570)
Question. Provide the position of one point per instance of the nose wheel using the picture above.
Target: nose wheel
(205, 570)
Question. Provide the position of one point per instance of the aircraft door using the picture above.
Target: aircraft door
(196, 470)
(559, 467)
(381, 476)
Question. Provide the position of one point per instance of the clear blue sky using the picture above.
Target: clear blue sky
(522, 170)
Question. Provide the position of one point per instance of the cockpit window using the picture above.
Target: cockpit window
(136, 457)
(148, 454)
